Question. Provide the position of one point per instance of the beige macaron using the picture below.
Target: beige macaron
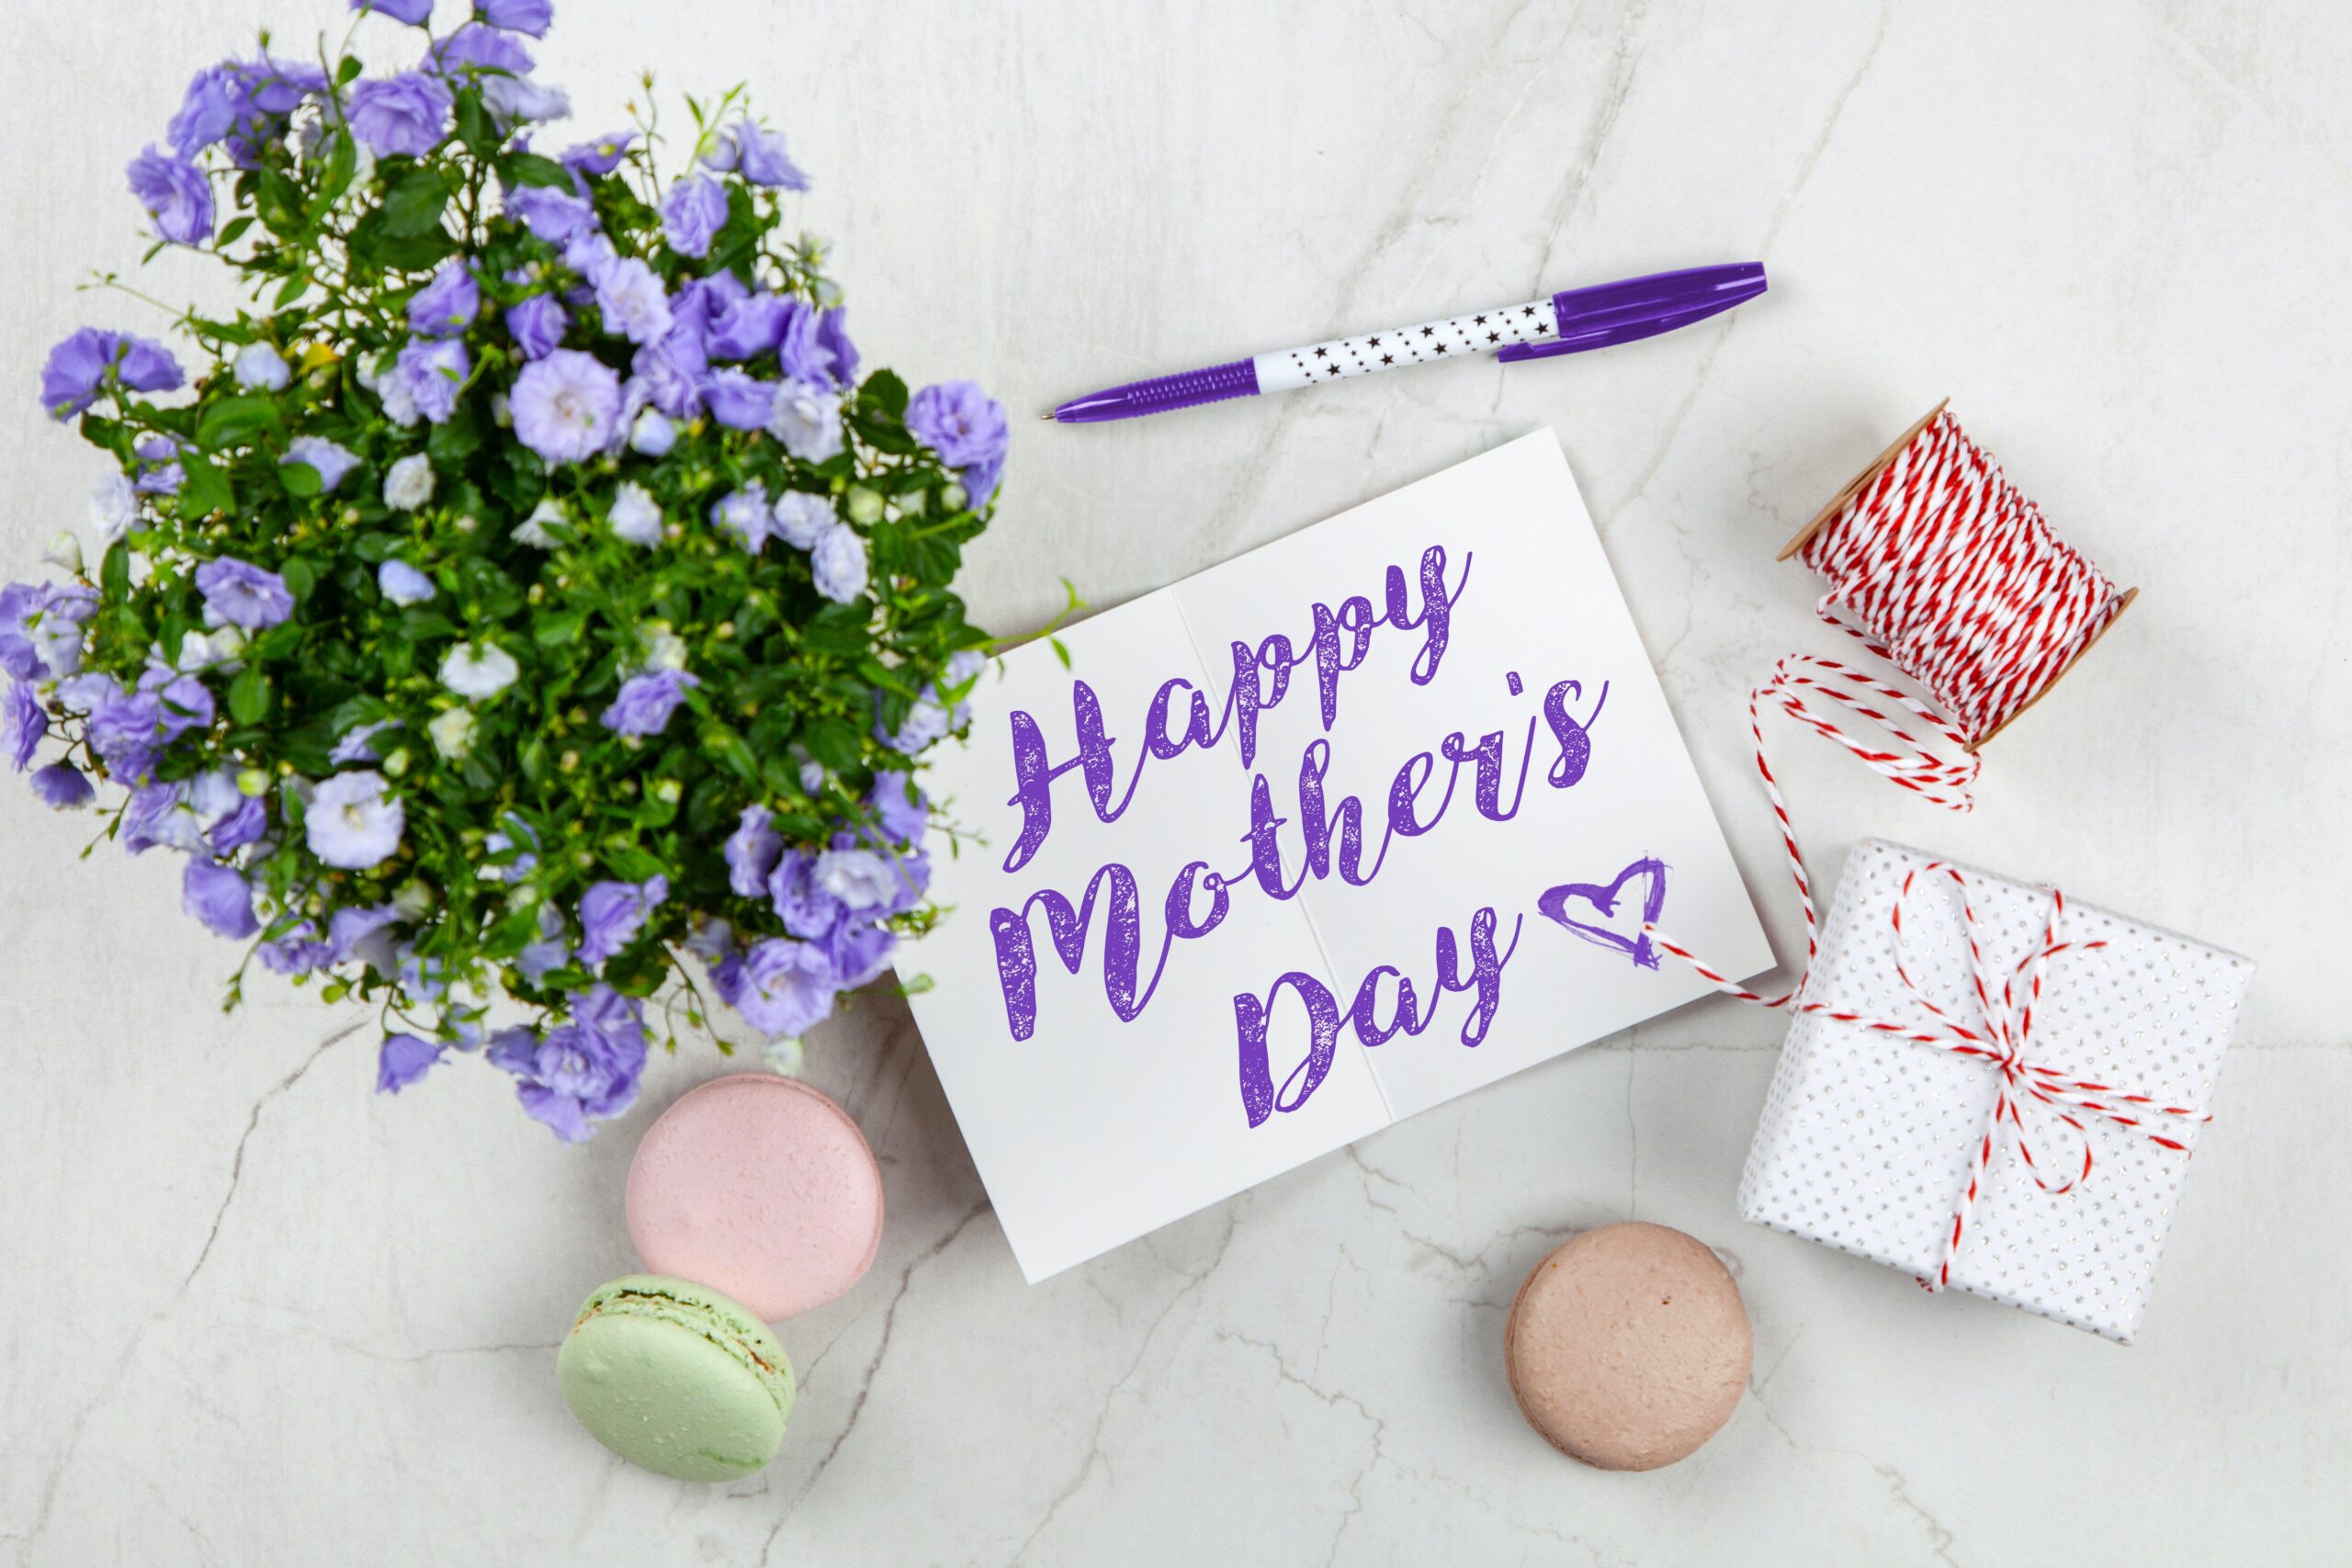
(1628, 1346)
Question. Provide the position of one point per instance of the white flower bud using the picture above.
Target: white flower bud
(453, 733)
(64, 551)
(408, 484)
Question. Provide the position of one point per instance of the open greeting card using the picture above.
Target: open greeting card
(1359, 822)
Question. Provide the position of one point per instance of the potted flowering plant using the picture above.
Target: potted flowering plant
(527, 592)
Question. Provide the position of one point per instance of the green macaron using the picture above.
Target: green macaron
(677, 1378)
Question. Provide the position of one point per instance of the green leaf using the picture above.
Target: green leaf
(114, 572)
(233, 422)
(531, 169)
(561, 628)
(456, 439)
(413, 204)
(728, 751)
(832, 742)
(249, 696)
(280, 203)
(631, 863)
(474, 127)
(301, 575)
(398, 253)
(512, 935)
(300, 478)
(348, 71)
(885, 391)
(205, 491)
(342, 161)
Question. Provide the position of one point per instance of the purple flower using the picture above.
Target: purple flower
(739, 400)
(408, 113)
(586, 1069)
(692, 215)
(403, 584)
(744, 514)
(176, 193)
(130, 730)
(277, 88)
(447, 303)
(404, 1058)
(530, 17)
(647, 702)
(260, 364)
(22, 724)
(416, 12)
(566, 406)
(148, 367)
(801, 518)
(838, 563)
(629, 299)
(900, 808)
(353, 824)
(221, 898)
(700, 303)
(160, 472)
(62, 787)
(833, 335)
(553, 215)
(761, 156)
(806, 910)
(364, 932)
(751, 851)
(538, 324)
(672, 373)
(860, 878)
(808, 421)
(612, 913)
(78, 368)
(797, 349)
(601, 156)
(244, 824)
(750, 328)
(858, 950)
(966, 428)
(243, 594)
(330, 461)
(786, 988)
(431, 372)
(482, 49)
(40, 628)
(209, 110)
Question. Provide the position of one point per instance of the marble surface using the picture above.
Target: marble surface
(258, 1315)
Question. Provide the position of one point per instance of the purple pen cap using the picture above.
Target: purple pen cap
(1642, 307)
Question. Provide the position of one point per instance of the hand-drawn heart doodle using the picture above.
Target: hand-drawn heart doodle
(1555, 900)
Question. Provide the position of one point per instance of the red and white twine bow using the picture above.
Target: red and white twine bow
(1943, 569)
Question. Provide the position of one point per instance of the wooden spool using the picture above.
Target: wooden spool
(1860, 481)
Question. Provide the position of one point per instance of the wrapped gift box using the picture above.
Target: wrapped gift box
(1867, 1139)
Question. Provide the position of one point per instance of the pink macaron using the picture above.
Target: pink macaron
(759, 1187)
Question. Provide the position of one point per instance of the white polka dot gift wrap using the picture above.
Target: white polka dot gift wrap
(1867, 1141)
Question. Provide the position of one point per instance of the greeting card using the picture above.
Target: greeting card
(1347, 827)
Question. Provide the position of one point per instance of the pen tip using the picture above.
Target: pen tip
(1048, 416)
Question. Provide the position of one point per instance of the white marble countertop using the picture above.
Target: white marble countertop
(259, 1316)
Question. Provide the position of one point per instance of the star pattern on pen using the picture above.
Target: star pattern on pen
(1355, 356)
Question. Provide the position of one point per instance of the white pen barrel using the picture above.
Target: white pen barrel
(1483, 332)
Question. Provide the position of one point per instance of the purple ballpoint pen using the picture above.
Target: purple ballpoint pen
(1568, 322)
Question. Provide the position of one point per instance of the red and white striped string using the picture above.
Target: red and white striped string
(1947, 572)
